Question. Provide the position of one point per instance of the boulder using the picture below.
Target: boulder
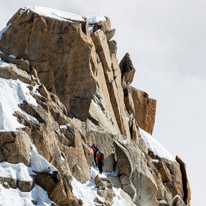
(99, 182)
(58, 188)
(15, 147)
(144, 110)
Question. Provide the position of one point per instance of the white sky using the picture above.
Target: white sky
(167, 43)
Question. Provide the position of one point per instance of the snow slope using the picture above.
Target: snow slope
(15, 197)
(15, 171)
(155, 146)
(39, 163)
(13, 93)
(87, 192)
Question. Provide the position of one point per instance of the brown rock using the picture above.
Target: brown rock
(8, 182)
(113, 79)
(57, 186)
(99, 182)
(164, 171)
(171, 177)
(25, 186)
(110, 34)
(58, 60)
(15, 147)
(185, 181)
(102, 48)
(128, 100)
(34, 202)
(145, 110)
(20, 63)
(113, 47)
(12, 72)
(88, 85)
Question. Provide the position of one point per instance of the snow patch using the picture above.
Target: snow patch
(155, 146)
(62, 158)
(3, 63)
(56, 14)
(88, 192)
(64, 126)
(4, 30)
(10, 55)
(13, 93)
(39, 163)
(92, 19)
(11, 197)
(15, 171)
(119, 200)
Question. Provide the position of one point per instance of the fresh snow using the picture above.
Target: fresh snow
(39, 163)
(3, 63)
(11, 197)
(3, 30)
(92, 19)
(87, 192)
(64, 126)
(56, 14)
(15, 171)
(13, 93)
(10, 55)
(155, 146)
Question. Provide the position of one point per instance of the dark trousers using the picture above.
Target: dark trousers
(100, 166)
(95, 158)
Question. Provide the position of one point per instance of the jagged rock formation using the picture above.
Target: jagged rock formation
(83, 96)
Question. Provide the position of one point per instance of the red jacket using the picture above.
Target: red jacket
(98, 157)
(94, 149)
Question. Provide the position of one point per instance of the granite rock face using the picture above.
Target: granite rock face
(83, 96)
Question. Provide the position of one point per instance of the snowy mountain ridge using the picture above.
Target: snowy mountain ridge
(63, 89)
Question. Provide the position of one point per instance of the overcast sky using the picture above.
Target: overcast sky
(167, 43)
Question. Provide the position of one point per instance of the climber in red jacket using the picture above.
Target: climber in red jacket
(95, 150)
(100, 159)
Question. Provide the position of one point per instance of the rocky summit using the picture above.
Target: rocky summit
(62, 89)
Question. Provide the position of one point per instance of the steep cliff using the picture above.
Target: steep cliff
(62, 89)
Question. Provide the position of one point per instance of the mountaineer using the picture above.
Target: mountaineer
(95, 150)
(100, 159)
